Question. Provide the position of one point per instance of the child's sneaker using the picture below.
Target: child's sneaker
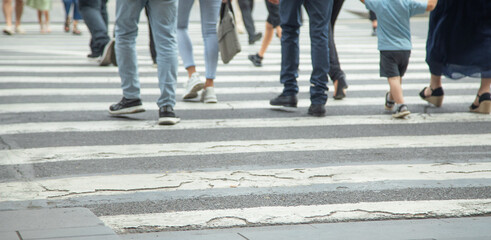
(401, 111)
(389, 104)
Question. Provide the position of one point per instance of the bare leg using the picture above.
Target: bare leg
(46, 21)
(209, 83)
(268, 36)
(278, 31)
(435, 82)
(396, 89)
(191, 70)
(484, 88)
(374, 24)
(7, 12)
(19, 8)
(40, 20)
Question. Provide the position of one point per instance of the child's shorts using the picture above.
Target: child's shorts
(394, 63)
(273, 14)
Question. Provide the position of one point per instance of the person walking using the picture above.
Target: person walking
(7, 13)
(373, 19)
(336, 74)
(319, 16)
(163, 19)
(76, 16)
(459, 45)
(94, 13)
(246, 7)
(272, 24)
(394, 44)
(209, 12)
(43, 7)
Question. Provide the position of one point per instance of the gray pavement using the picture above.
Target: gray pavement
(475, 228)
(60, 223)
(80, 223)
(56, 217)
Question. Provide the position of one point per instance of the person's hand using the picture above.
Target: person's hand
(224, 1)
(274, 1)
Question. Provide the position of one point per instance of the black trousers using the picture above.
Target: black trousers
(335, 72)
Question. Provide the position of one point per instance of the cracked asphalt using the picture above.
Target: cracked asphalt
(146, 184)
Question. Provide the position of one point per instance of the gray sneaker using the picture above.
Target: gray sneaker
(209, 96)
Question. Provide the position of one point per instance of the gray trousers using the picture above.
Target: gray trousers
(246, 7)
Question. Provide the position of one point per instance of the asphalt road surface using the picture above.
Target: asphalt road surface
(237, 162)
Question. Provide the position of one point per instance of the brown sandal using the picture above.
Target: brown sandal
(76, 31)
(67, 24)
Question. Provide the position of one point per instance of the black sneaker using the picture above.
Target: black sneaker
(167, 116)
(401, 111)
(93, 57)
(256, 60)
(126, 106)
(284, 101)
(317, 110)
(105, 59)
(256, 38)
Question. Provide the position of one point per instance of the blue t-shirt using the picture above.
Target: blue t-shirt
(393, 29)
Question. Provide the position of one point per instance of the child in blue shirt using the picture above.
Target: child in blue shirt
(394, 44)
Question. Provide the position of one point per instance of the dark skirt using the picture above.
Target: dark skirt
(459, 39)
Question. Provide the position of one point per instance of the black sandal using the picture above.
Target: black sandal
(484, 104)
(436, 97)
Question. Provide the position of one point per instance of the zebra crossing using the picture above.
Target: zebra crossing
(237, 162)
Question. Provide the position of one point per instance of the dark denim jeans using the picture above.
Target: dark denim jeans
(95, 17)
(319, 17)
(335, 72)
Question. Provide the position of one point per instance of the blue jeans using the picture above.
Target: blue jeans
(319, 17)
(95, 17)
(162, 15)
(76, 12)
(209, 11)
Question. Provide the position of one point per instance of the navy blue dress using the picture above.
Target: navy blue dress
(459, 39)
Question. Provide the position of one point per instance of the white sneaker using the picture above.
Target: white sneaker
(105, 59)
(8, 30)
(209, 95)
(20, 30)
(193, 86)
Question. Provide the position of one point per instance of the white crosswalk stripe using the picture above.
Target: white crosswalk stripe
(235, 163)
